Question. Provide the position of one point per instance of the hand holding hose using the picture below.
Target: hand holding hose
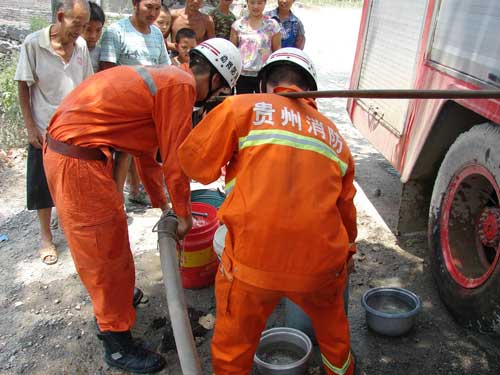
(184, 226)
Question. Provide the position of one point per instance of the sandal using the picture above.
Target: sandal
(48, 255)
(138, 294)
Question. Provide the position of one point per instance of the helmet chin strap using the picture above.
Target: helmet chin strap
(263, 82)
(210, 92)
(263, 85)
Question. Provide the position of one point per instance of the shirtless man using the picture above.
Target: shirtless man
(193, 19)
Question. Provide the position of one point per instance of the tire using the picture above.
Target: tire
(464, 259)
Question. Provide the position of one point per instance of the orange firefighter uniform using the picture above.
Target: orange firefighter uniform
(132, 109)
(290, 218)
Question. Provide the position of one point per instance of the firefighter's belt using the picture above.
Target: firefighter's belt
(77, 152)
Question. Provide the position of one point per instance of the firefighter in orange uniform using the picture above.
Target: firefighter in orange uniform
(136, 110)
(289, 212)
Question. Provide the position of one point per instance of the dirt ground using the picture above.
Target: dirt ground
(46, 321)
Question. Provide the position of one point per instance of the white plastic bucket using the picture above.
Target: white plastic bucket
(219, 240)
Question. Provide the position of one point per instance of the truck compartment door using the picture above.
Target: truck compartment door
(389, 60)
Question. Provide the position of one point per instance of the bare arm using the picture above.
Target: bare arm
(170, 41)
(276, 42)
(210, 25)
(173, 32)
(103, 65)
(35, 138)
(171, 46)
(300, 41)
(233, 37)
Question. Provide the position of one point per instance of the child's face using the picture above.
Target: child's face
(164, 21)
(256, 7)
(226, 2)
(92, 33)
(285, 4)
(183, 47)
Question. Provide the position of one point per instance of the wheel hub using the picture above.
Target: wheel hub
(489, 227)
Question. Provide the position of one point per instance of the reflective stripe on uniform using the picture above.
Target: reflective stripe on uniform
(286, 138)
(229, 186)
(340, 371)
(148, 79)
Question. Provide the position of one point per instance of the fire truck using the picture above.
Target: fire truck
(446, 151)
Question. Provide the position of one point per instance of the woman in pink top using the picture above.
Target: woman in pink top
(256, 36)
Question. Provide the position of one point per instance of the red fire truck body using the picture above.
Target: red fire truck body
(447, 151)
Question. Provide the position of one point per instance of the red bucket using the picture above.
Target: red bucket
(198, 261)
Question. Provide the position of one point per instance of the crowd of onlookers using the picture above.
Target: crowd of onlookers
(256, 33)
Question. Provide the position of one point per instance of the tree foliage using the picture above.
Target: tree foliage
(12, 132)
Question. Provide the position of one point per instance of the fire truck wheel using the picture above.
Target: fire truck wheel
(464, 229)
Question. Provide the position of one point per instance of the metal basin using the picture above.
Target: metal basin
(390, 311)
(283, 351)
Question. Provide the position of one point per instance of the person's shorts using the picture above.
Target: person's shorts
(37, 190)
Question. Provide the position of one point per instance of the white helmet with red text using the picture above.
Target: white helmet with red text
(294, 56)
(223, 56)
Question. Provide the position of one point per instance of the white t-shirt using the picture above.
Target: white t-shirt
(48, 76)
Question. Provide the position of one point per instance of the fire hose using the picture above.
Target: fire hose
(390, 94)
(184, 341)
(397, 94)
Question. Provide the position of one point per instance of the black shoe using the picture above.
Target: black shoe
(138, 294)
(123, 353)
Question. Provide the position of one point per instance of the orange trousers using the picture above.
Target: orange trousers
(91, 214)
(151, 174)
(241, 314)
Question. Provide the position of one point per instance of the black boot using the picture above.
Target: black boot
(122, 352)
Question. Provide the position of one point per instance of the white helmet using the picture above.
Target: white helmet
(224, 56)
(295, 56)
